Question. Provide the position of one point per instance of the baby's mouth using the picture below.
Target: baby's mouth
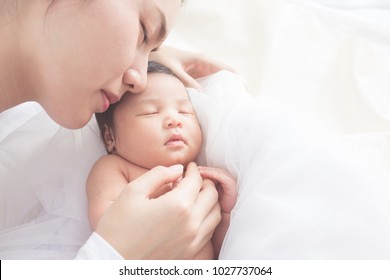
(175, 140)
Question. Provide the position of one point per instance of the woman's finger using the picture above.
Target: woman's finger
(187, 190)
(206, 200)
(207, 227)
(188, 80)
(151, 181)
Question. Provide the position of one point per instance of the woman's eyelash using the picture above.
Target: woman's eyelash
(146, 34)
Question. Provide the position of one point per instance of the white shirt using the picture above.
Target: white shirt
(96, 248)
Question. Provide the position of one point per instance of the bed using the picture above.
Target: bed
(306, 116)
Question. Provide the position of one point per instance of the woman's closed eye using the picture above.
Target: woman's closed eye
(146, 38)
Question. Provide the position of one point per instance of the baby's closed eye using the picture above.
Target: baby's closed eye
(148, 113)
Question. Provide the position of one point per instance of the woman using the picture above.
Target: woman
(75, 58)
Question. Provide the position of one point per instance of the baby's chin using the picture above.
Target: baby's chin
(182, 161)
(167, 161)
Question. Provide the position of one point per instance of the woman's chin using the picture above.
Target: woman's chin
(74, 121)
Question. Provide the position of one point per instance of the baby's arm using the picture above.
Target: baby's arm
(104, 185)
(226, 186)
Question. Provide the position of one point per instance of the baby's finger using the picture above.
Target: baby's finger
(188, 188)
(221, 176)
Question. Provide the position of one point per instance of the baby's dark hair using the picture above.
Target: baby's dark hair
(106, 119)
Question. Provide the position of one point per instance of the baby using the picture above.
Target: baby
(155, 128)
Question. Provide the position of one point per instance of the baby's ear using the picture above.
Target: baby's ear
(109, 139)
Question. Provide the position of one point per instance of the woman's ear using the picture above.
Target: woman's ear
(109, 139)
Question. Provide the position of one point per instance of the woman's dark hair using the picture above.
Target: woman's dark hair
(106, 119)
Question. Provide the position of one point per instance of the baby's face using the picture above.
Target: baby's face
(157, 126)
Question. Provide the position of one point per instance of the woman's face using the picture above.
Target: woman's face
(91, 52)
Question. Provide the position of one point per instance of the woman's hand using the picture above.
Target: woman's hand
(188, 66)
(175, 225)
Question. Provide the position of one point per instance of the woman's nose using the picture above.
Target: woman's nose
(135, 79)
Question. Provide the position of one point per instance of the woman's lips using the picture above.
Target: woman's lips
(106, 101)
(108, 98)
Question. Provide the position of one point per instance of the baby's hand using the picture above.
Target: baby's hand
(226, 186)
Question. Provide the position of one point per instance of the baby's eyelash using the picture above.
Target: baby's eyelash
(186, 112)
(148, 114)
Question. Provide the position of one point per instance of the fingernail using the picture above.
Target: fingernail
(177, 168)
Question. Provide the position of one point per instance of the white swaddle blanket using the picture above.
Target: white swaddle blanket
(304, 193)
